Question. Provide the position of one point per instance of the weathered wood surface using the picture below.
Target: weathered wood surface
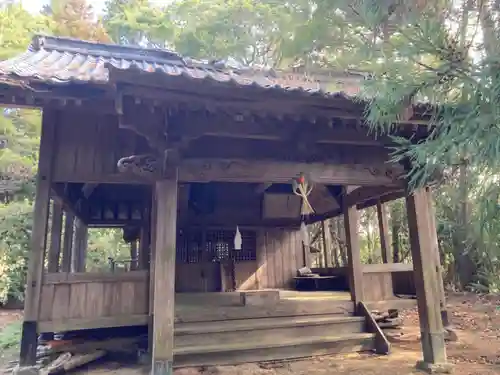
(90, 300)
(164, 275)
(69, 225)
(351, 218)
(426, 277)
(197, 277)
(377, 286)
(79, 249)
(279, 256)
(41, 214)
(92, 146)
(258, 171)
(387, 268)
(382, 345)
(55, 237)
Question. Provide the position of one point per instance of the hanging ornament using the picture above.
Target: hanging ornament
(305, 234)
(237, 239)
(303, 188)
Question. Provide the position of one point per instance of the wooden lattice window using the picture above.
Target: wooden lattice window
(219, 246)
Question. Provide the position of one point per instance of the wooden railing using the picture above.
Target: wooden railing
(72, 301)
(378, 288)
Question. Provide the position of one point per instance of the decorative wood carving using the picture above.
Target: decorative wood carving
(204, 170)
(140, 165)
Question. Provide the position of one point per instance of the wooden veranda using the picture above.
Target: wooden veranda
(178, 154)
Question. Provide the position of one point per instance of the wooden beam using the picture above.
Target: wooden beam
(288, 150)
(397, 194)
(387, 267)
(198, 124)
(382, 345)
(259, 171)
(383, 227)
(55, 237)
(164, 277)
(69, 224)
(426, 280)
(367, 193)
(261, 188)
(351, 224)
(38, 241)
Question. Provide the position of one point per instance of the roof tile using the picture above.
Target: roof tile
(62, 60)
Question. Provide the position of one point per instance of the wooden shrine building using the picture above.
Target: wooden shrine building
(180, 154)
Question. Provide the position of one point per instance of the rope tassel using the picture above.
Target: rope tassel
(302, 188)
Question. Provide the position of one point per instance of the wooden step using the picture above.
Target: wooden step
(284, 308)
(258, 351)
(237, 331)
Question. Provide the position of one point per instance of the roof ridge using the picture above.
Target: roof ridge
(72, 45)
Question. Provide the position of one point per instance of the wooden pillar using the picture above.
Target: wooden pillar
(55, 237)
(79, 253)
(152, 256)
(426, 280)
(433, 231)
(164, 276)
(38, 241)
(383, 226)
(69, 223)
(134, 261)
(351, 224)
(327, 242)
(144, 248)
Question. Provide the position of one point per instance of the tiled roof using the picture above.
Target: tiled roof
(61, 61)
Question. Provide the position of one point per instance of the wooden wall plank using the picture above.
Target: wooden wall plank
(140, 298)
(77, 300)
(127, 303)
(261, 259)
(94, 300)
(61, 302)
(47, 302)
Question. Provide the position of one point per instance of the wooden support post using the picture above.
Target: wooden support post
(134, 261)
(38, 241)
(426, 282)
(383, 226)
(55, 237)
(442, 296)
(353, 248)
(69, 223)
(327, 242)
(164, 279)
(154, 225)
(79, 253)
(144, 248)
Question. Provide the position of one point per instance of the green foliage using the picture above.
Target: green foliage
(104, 244)
(10, 336)
(17, 26)
(15, 233)
(20, 132)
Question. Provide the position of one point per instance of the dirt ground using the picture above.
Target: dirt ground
(477, 323)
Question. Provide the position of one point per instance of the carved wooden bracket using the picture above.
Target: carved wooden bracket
(140, 165)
